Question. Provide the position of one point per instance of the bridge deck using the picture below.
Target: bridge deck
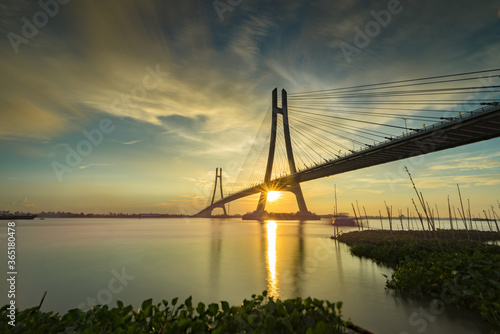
(479, 125)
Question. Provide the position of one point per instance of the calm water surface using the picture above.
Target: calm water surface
(82, 262)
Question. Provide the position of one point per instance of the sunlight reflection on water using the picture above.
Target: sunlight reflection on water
(272, 279)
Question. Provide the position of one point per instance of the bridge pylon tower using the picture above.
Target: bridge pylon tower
(218, 179)
(292, 186)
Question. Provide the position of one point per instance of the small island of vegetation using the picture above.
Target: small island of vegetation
(456, 267)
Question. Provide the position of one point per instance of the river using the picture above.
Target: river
(81, 262)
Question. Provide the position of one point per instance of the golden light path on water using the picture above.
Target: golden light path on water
(272, 277)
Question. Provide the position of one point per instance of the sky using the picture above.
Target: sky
(130, 106)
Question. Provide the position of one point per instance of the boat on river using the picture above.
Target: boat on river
(344, 220)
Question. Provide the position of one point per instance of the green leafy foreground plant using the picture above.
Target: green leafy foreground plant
(261, 314)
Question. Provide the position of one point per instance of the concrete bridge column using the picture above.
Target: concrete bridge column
(295, 188)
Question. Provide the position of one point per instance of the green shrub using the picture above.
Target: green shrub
(261, 314)
(449, 267)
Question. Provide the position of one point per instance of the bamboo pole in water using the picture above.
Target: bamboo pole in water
(430, 218)
(495, 215)
(419, 216)
(353, 209)
(360, 217)
(366, 218)
(462, 215)
(335, 210)
(380, 215)
(451, 218)
(421, 200)
(477, 228)
(408, 214)
(389, 215)
(439, 218)
(401, 219)
(488, 221)
(456, 219)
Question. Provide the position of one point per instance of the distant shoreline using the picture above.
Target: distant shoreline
(51, 214)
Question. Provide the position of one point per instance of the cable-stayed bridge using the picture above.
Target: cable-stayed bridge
(328, 132)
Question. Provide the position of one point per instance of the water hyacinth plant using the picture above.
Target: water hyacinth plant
(260, 314)
(453, 267)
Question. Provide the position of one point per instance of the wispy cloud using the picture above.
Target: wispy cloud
(40, 101)
(429, 181)
(463, 180)
(93, 165)
(468, 162)
(132, 142)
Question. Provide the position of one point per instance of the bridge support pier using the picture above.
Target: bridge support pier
(218, 176)
(293, 187)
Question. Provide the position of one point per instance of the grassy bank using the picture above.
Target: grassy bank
(257, 315)
(451, 266)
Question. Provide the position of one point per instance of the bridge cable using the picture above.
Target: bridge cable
(397, 82)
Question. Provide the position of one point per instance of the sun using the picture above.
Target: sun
(273, 195)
